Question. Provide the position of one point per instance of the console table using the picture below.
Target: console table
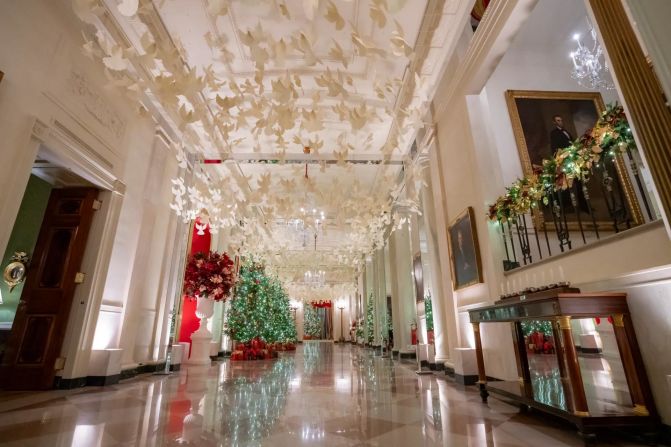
(571, 402)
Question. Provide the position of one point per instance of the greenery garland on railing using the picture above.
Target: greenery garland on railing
(609, 137)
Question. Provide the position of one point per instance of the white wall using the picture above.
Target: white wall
(538, 59)
(145, 221)
(479, 157)
(48, 78)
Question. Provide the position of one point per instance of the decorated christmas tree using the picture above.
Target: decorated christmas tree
(428, 312)
(279, 324)
(260, 308)
(312, 323)
(370, 316)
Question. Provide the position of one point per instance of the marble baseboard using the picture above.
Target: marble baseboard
(102, 380)
(69, 384)
(80, 382)
(436, 366)
(141, 369)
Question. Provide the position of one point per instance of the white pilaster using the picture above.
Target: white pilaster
(402, 285)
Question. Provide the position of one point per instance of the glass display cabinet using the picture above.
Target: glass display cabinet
(599, 383)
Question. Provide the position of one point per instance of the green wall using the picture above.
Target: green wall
(23, 238)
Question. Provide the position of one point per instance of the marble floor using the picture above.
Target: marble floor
(323, 394)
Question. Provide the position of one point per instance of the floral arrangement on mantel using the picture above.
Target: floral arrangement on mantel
(209, 275)
(609, 137)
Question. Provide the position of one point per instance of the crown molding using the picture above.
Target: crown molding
(496, 31)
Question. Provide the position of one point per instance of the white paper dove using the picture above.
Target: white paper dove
(128, 8)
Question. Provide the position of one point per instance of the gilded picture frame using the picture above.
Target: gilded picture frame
(531, 113)
(464, 248)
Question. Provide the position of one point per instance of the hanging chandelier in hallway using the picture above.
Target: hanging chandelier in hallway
(314, 278)
(588, 68)
(309, 223)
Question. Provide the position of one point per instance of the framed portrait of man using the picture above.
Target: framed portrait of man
(465, 262)
(544, 122)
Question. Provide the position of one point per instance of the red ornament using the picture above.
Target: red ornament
(597, 320)
(610, 319)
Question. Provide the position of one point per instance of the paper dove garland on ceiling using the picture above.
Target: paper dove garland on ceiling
(272, 103)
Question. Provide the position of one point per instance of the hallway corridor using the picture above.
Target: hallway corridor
(324, 394)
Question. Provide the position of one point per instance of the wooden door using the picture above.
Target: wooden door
(42, 315)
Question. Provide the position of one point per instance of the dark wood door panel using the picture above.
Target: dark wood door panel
(41, 319)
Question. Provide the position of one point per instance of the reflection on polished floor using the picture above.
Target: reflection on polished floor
(323, 394)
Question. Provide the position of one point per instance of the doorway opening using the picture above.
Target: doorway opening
(50, 235)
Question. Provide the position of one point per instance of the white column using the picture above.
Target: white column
(397, 322)
(415, 251)
(369, 281)
(381, 298)
(441, 223)
(436, 272)
(402, 286)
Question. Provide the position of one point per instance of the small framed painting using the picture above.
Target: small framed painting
(465, 262)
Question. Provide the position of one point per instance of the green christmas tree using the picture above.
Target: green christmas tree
(428, 312)
(260, 308)
(543, 326)
(279, 324)
(386, 327)
(312, 322)
(370, 316)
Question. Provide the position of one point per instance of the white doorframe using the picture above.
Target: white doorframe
(65, 149)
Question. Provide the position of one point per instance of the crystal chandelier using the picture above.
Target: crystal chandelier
(314, 277)
(308, 224)
(588, 68)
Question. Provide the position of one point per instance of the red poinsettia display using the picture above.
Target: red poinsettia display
(210, 275)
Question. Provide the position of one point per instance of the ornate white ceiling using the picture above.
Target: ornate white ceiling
(253, 83)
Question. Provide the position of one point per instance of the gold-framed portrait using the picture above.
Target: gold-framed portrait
(465, 261)
(534, 115)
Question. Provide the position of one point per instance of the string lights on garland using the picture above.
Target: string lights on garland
(610, 136)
